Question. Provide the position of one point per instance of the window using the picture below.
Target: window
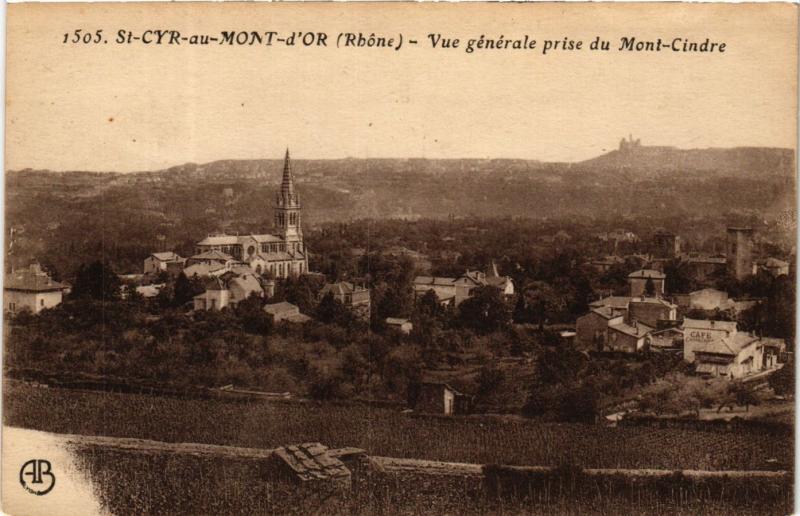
(12, 307)
(41, 302)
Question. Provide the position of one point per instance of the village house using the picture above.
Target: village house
(627, 337)
(718, 349)
(454, 291)
(354, 297)
(667, 339)
(158, 262)
(401, 325)
(602, 265)
(772, 266)
(734, 356)
(31, 289)
(698, 332)
(652, 311)
(221, 293)
(440, 398)
(592, 328)
(285, 311)
(637, 281)
(619, 323)
(702, 267)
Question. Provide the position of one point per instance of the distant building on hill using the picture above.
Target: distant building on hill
(454, 291)
(401, 325)
(31, 289)
(284, 311)
(772, 266)
(158, 262)
(355, 297)
(227, 292)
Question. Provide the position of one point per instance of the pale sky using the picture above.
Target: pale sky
(139, 107)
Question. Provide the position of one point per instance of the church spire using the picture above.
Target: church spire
(287, 197)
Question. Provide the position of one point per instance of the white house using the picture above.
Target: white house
(158, 262)
(31, 289)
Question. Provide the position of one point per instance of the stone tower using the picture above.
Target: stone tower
(739, 249)
(287, 211)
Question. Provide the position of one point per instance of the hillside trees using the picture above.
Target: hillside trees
(96, 281)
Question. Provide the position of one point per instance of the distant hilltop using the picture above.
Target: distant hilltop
(632, 155)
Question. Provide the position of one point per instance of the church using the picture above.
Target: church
(281, 253)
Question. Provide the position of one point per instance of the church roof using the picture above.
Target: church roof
(219, 240)
(267, 238)
(212, 255)
(279, 256)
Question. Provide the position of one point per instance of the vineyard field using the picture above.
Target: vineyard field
(387, 432)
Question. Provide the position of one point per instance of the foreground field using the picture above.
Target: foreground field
(387, 432)
(203, 485)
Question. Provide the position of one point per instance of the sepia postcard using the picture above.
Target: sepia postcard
(399, 258)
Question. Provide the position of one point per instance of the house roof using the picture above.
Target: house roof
(247, 283)
(202, 269)
(774, 262)
(31, 280)
(707, 259)
(167, 256)
(730, 345)
(640, 330)
(703, 324)
(652, 301)
(434, 281)
(605, 312)
(340, 288)
(280, 308)
(647, 273)
(396, 320)
(215, 283)
(612, 301)
(149, 290)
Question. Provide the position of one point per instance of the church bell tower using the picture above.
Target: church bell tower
(287, 211)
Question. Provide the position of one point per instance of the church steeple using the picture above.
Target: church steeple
(287, 211)
(287, 197)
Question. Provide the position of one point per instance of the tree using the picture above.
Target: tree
(185, 289)
(485, 311)
(649, 288)
(744, 395)
(543, 301)
(96, 281)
